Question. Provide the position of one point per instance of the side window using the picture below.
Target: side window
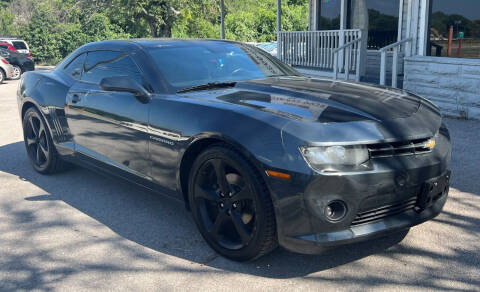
(74, 69)
(101, 64)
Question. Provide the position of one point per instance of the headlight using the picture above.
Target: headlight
(323, 157)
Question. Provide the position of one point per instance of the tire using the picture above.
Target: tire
(231, 205)
(17, 73)
(2, 76)
(39, 145)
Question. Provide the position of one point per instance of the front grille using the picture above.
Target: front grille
(384, 211)
(411, 147)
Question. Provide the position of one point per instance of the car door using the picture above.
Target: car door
(109, 126)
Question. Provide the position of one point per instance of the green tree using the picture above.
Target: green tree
(7, 22)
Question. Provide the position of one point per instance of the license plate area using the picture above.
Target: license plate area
(432, 190)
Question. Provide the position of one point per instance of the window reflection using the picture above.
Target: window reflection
(330, 14)
(458, 21)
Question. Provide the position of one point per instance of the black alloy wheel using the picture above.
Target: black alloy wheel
(231, 206)
(38, 143)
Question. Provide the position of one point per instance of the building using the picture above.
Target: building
(429, 47)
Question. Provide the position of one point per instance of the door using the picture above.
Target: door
(107, 125)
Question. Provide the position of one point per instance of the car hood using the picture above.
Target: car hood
(316, 100)
(326, 104)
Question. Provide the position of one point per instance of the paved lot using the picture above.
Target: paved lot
(79, 230)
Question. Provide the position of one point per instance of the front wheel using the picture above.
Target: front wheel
(231, 205)
(17, 72)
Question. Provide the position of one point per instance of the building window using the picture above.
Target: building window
(382, 23)
(455, 28)
(330, 12)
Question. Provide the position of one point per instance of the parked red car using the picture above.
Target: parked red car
(8, 47)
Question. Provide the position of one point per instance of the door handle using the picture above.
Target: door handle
(75, 98)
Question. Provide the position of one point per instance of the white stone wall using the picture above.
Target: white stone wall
(452, 84)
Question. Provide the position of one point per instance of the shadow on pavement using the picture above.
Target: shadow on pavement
(159, 222)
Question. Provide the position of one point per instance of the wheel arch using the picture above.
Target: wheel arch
(26, 105)
(199, 145)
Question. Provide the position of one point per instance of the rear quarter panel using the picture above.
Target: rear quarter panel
(46, 91)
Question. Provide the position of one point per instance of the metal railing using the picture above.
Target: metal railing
(350, 50)
(315, 48)
(383, 63)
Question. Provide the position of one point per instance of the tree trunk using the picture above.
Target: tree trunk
(153, 28)
(166, 31)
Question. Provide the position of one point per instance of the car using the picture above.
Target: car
(6, 69)
(19, 45)
(7, 46)
(20, 62)
(261, 155)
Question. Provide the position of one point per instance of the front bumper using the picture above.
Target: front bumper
(316, 243)
(300, 203)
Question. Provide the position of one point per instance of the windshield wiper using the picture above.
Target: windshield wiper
(209, 85)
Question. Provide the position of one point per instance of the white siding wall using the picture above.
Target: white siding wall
(452, 84)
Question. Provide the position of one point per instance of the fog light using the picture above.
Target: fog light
(335, 211)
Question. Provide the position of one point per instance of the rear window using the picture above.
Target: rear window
(4, 46)
(19, 45)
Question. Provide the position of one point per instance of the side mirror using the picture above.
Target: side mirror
(125, 84)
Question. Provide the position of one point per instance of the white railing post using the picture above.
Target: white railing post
(335, 65)
(383, 67)
(348, 52)
(359, 61)
(346, 49)
(394, 68)
(383, 64)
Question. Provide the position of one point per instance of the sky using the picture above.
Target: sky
(468, 8)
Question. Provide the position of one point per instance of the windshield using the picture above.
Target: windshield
(188, 64)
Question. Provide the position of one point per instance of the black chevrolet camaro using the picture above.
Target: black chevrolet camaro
(260, 155)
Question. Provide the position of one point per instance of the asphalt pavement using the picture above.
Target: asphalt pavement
(82, 231)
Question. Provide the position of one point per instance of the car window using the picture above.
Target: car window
(4, 46)
(19, 45)
(101, 64)
(74, 69)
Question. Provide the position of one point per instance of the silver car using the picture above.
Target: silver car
(6, 69)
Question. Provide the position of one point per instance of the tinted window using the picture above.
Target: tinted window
(4, 46)
(190, 64)
(101, 64)
(74, 69)
(330, 15)
(382, 23)
(19, 45)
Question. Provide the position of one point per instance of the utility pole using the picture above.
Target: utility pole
(222, 19)
(279, 16)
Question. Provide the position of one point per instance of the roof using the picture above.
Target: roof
(145, 43)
